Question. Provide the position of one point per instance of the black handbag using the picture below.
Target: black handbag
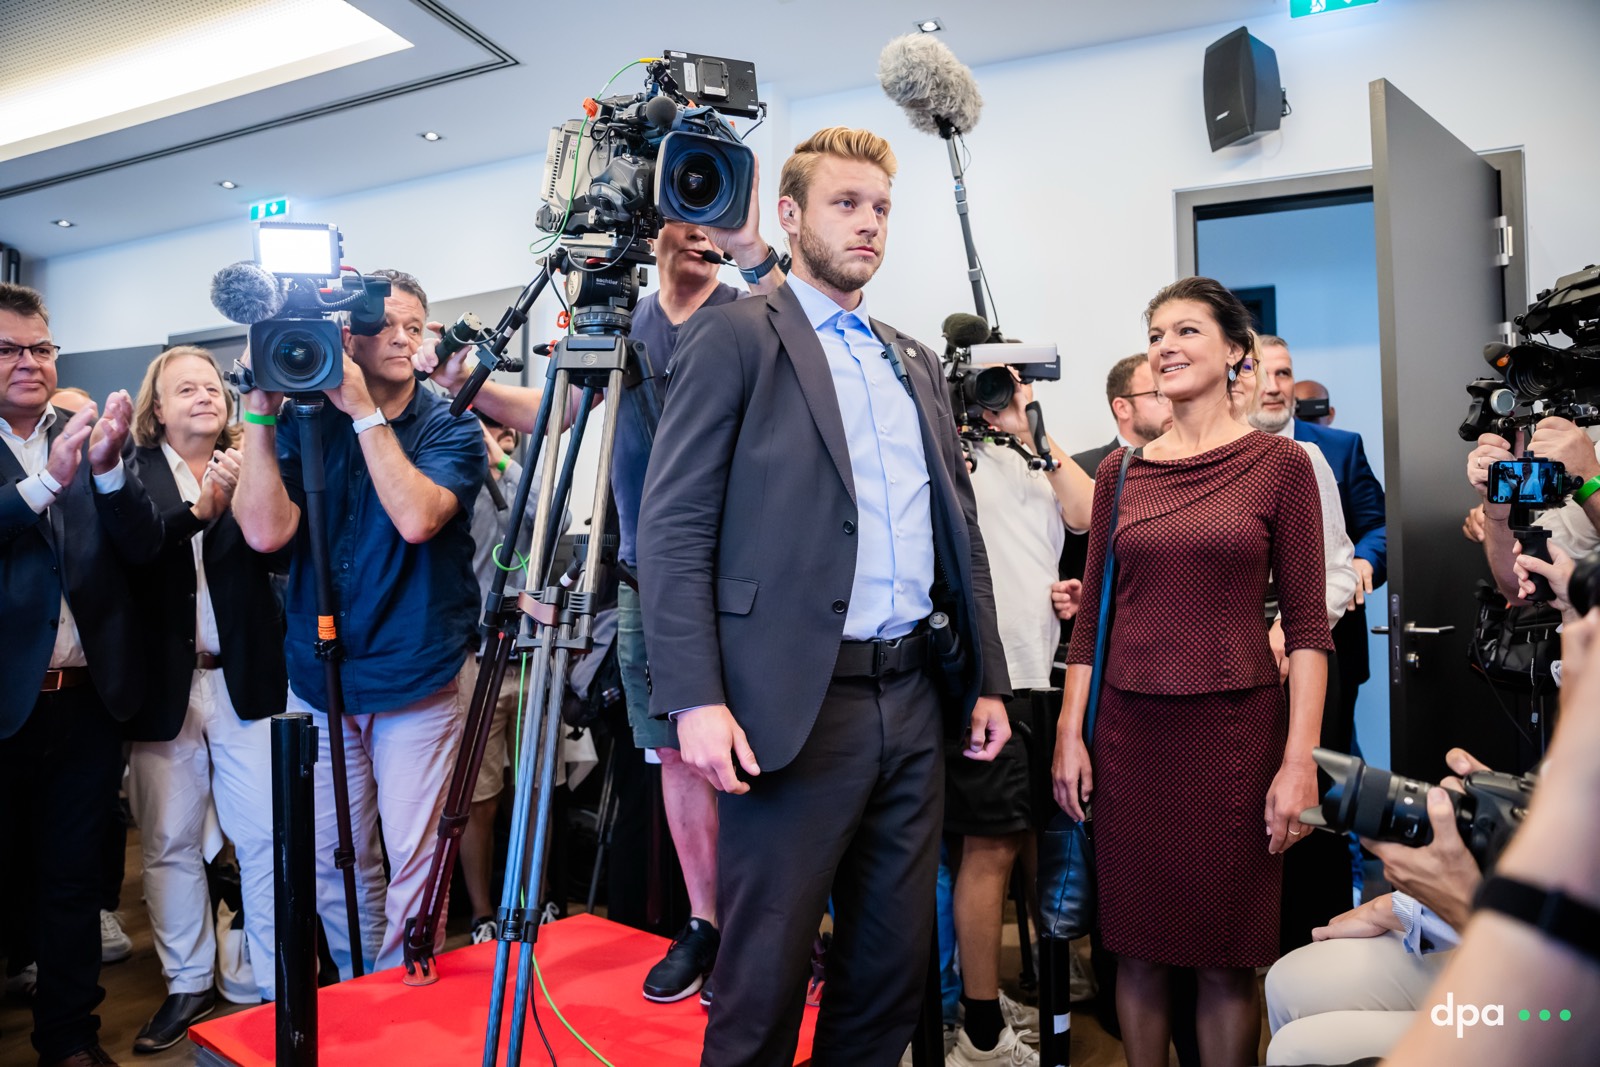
(1066, 856)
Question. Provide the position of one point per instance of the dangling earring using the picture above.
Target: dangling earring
(1233, 374)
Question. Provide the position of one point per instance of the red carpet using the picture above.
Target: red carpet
(593, 969)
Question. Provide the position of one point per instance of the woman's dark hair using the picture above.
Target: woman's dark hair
(1231, 315)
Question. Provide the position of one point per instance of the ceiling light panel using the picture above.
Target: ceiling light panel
(94, 66)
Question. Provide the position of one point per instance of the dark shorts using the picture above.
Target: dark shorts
(989, 799)
(647, 732)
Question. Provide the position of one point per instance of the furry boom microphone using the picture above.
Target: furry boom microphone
(935, 89)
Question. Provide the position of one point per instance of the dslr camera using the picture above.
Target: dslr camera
(980, 364)
(1386, 806)
(664, 154)
(297, 346)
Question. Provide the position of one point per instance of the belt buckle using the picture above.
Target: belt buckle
(880, 653)
(52, 681)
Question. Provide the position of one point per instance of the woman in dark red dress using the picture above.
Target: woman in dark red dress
(1201, 766)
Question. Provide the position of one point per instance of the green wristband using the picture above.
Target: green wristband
(1587, 489)
(505, 461)
(260, 420)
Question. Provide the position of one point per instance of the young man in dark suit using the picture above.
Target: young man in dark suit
(72, 522)
(806, 503)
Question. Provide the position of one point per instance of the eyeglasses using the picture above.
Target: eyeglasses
(1148, 392)
(44, 352)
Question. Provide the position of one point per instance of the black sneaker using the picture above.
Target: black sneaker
(685, 966)
(705, 993)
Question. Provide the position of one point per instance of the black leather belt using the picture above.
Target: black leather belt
(59, 678)
(880, 658)
(206, 661)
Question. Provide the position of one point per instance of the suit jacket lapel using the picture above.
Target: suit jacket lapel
(816, 380)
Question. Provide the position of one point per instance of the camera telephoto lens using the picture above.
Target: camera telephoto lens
(1373, 802)
(698, 180)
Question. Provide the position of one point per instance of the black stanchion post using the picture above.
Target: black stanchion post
(294, 751)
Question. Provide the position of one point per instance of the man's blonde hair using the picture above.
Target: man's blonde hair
(147, 429)
(841, 141)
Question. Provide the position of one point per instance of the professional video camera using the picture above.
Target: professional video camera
(980, 362)
(1385, 806)
(662, 154)
(287, 298)
(1540, 381)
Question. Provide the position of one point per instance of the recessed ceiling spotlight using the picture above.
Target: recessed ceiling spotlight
(930, 25)
(63, 223)
(430, 135)
(228, 185)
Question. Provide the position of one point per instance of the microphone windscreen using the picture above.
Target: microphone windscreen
(925, 78)
(661, 112)
(964, 331)
(246, 293)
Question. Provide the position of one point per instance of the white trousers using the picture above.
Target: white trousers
(398, 767)
(216, 759)
(1347, 998)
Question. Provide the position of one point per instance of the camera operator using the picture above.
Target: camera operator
(1572, 526)
(1024, 515)
(401, 476)
(73, 522)
(202, 737)
(688, 260)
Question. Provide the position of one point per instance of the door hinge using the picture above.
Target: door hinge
(1503, 242)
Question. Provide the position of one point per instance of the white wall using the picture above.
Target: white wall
(1073, 170)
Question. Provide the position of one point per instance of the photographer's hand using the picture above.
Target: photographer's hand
(745, 246)
(259, 401)
(1371, 919)
(708, 739)
(1558, 573)
(1442, 874)
(1492, 448)
(352, 396)
(453, 373)
(1564, 441)
(1472, 525)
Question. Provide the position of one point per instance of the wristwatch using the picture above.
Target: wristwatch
(361, 426)
(760, 270)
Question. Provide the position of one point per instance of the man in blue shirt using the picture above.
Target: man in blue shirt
(401, 475)
(689, 265)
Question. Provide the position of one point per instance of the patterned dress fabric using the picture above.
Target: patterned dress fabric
(1192, 718)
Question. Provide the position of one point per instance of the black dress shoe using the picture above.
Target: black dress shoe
(93, 1056)
(686, 964)
(172, 1020)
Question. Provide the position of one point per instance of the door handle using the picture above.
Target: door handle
(1413, 628)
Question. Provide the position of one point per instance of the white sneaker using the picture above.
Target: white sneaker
(114, 943)
(1009, 1051)
(1022, 1018)
(485, 928)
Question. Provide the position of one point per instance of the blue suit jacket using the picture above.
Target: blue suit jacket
(1359, 492)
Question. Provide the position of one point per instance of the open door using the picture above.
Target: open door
(1440, 299)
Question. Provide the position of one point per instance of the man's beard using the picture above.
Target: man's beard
(832, 269)
(1149, 430)
(1271, 421)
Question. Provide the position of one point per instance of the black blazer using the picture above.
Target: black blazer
(249, 616)
(746, 533)
(86, 541)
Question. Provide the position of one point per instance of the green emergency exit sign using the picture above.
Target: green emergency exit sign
(272, 209)
(1301, 8)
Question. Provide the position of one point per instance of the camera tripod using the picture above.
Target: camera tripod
(603, 281)
(307, 411)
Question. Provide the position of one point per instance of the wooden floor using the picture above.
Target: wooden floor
(134, 990)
